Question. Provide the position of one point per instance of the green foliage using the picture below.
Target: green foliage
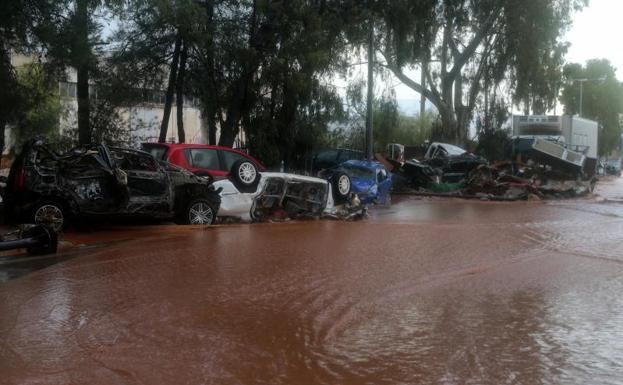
(531, 50)
(392, 127)
(602, 99)
(465, 46)
(40, 109)
(494, 145)
(25, 27)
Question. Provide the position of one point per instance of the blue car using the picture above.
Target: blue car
(369, 180)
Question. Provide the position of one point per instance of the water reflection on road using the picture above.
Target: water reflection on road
(427, 291)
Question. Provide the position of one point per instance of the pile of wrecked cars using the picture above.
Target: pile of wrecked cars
(540, 169)
(253, 195)
(98, 181)
(48, 188)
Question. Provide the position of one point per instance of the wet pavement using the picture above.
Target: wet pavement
(427, 291)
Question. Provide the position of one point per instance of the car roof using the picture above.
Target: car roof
(181, 146)
(191, 145)
(369, 164)
(450, 148)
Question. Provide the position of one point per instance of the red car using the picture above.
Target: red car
(201, 159)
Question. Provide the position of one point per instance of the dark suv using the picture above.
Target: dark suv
(50, 188)
(328, 159)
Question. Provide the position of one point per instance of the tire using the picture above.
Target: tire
(49, 213)
(198, 212)
(342, 186)
(245, 175)
(48, 241)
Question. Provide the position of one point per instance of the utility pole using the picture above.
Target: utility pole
(423, 82)
(582, 81)
(369, 123)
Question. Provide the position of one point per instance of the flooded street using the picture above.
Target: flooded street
(426, 291)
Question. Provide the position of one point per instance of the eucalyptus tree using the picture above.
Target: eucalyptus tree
(463, 46)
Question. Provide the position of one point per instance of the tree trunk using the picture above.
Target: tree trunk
(2, 139)
(168, 101)
(84, 129)
(82, 55)
(211, 126)
(8, 92)
(239, 99)
(180, 94)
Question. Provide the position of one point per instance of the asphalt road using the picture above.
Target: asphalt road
(427, 291)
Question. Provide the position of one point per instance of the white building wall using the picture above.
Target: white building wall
(144, 119)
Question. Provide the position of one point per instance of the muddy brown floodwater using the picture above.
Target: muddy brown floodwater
(427, 291)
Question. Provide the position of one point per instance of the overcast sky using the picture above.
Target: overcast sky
(596, 33)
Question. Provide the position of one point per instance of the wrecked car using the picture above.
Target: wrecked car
(369, 180)
(454, 161)
(442, 163)
(45, 187)
(328, 159)
(251, 195)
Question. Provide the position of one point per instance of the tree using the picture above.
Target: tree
(457, 42)
(602, 98)
(293, 103)
(78, 43)
(26, 26)
(154, 40)
(40, 107)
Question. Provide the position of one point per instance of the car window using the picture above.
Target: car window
(127, 160)
(229, 158)
(326, 156)
(358, 172)
(203, 158)
(344, 156)
(158, 152)
(452, 150)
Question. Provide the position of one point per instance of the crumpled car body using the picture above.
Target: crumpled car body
(282, 195)
(454, 161)
(101, 181)
(442, 163)
(370, 180)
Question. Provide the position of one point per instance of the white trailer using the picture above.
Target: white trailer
(577, 133)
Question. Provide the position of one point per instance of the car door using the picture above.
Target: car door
(205, 161)
(384, 182)
(90, 181)
(149, 190)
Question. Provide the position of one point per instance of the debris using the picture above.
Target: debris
(369, 180)
(47, 188)
(282, 196)
(541, 170)
(36, 239)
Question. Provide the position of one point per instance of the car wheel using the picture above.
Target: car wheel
(199, 212)
(50, 214)
(245, 175)
(341, 186)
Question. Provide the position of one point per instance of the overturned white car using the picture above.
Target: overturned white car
(251, 195)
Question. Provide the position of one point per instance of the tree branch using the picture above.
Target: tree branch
(467, 53)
